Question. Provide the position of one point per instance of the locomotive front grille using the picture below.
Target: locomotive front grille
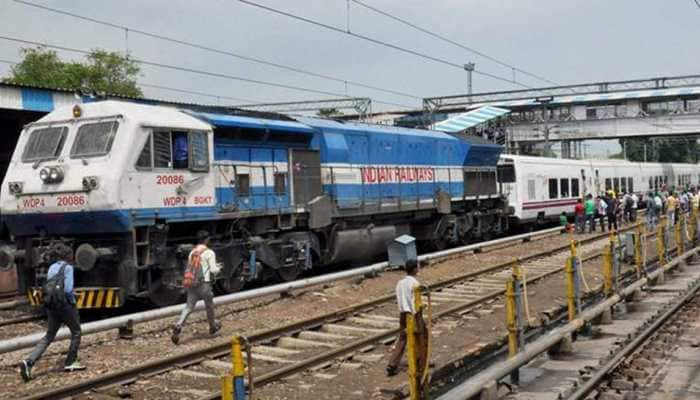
(85, 298)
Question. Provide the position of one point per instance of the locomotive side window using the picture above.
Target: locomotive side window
(162, 150)
(199, 152)
(44, 144)
(94, 140)
(243, 184)
(144, 161)
(175, 150)
(563, 188)
(574, 188)
(280, 183)
(553, 189)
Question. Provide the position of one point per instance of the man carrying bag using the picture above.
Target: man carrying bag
(201, 266)
(60, 309)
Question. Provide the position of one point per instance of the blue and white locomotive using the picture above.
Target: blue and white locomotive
(127, 185)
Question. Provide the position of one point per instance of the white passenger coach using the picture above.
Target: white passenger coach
(540, 188)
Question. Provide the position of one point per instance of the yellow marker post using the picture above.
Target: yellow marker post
(411, 347)
(638, 256)
(570, 289)
(693, 225)
(661, 241)
(233, 384)
(679, 235)
(608, 270)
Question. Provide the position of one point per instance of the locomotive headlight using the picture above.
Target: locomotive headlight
(15, 187)
(90, 183)
(44, 174)
(51, 174)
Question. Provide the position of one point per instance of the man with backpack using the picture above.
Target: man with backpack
(201, 266)
(59, 302)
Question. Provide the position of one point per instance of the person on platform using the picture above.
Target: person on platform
(60, 307)
(406, 303)
(203, 259)
(601, 207)
(579, 216)
(671, 204)
(590, 210)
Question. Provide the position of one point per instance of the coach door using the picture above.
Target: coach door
(306, 169)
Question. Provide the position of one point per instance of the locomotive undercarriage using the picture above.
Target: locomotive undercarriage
(149, 262)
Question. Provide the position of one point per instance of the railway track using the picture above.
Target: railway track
(350, 334)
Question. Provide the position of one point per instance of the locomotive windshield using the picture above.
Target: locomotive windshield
(94, 140)
(44, 144)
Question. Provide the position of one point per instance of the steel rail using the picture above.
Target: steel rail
(474, 385)
(222, 348)
(151, 315)
(20, 320)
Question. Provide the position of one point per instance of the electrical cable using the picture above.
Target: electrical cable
(198, 71)
(450, 41)
(218, 51)
(377, 41)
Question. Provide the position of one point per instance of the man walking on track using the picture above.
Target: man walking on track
(201, 266)
(405, 299)
(60, 309)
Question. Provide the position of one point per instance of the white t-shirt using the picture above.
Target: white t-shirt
(404, 294)
(207, 263)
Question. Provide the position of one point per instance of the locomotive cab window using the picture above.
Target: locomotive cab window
(175, 150)
(506, 173)
(94, 140)
(280, 183)
(44, 144)
(243, 184)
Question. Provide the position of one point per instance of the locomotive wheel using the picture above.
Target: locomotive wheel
(288, 273)
(162, 294)
(231, 284)
(439, 244)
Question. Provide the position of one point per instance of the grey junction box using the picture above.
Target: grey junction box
(402, 249)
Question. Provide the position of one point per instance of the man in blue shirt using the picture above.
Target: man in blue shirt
(62, 312)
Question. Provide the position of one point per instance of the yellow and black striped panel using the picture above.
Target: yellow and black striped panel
(85, 298)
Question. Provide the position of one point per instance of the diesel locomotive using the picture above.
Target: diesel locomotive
(128, 185)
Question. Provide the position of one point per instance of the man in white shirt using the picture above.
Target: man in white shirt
(406, 303)
(200, 288)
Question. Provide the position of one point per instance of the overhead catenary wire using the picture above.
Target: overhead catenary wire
(200, 72)
(450, 41)
(131, 30)
(378, 41)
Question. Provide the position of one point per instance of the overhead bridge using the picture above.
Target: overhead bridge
(658, 107)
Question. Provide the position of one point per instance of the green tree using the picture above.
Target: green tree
(103, 72)
(661, 150)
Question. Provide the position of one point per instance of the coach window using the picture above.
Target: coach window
(623, 184)
(651, 184)
(630, 184)
(608, 184)
(574, 187)
(553, 190)
(616, 184)
(563, 188)
(531, 189)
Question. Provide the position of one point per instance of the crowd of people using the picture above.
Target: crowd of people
(612, 209)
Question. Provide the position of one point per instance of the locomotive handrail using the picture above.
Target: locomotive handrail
(151, 315)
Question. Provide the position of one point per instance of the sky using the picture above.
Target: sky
(566, 42)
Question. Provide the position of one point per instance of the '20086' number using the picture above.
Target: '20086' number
(70, 201)
(170, 179)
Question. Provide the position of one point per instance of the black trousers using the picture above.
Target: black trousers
(66, 314)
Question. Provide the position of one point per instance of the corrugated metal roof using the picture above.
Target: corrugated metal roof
(470, 119)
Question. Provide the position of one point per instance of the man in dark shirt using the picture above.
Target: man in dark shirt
(57, 313)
